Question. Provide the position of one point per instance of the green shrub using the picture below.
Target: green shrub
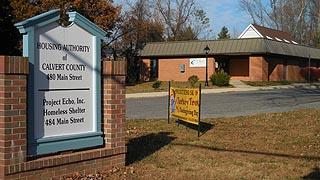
(156, 84)
(220, 78)
(193, 80)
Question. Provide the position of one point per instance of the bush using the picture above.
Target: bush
(193, 80)
(156, 84)
(220, 78)
(314, 73)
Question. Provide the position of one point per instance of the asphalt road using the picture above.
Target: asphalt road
(231, 104)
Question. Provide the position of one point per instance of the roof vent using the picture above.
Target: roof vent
(286, 41)
(268, 37)
(278, 39)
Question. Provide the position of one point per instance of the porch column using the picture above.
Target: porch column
(114, 101)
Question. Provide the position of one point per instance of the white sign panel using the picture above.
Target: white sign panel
(64, 81)
(197, 62)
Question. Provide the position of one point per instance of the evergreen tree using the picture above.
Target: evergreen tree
(224, 33)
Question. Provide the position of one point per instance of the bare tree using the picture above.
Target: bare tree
(296, 17)
(175, 14)
(315, 23)
(139, 27)
(253, 10)
(200, 24)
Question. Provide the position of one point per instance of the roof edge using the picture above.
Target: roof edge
(227, 47)
(86, 24)
(236, 39)
(245, 30)
(39, 20)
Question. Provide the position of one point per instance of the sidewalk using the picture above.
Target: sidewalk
(238, 87)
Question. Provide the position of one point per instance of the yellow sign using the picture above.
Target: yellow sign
(185, 104)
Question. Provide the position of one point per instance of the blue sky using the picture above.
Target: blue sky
(225, 13)
(222, 13)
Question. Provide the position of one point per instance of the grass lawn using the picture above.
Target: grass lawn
(265, 146)
(147, 86)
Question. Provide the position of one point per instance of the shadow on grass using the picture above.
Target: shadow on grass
(312, 158)
(314, 175)
(142, 147)
(204, 127)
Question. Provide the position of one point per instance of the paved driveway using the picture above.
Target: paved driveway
(231, 103)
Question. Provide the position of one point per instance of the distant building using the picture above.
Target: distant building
(256, 31)
(260, 54)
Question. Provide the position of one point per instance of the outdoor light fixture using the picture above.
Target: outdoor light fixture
(206, 50)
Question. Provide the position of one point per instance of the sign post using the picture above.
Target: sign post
(169, 90)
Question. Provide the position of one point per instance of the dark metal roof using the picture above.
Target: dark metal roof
(273, 33)
(227, 47)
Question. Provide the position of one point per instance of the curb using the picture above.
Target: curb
(226, 90)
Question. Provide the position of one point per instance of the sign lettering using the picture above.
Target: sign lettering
(197, 62)
(64, 81)
(185, 104)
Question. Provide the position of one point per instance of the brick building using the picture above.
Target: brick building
(259, 54)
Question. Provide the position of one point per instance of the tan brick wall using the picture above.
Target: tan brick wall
(169, 69)
(255, 68)
(15, 165)
(275, 69)
(293, 71)
(258, 68)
